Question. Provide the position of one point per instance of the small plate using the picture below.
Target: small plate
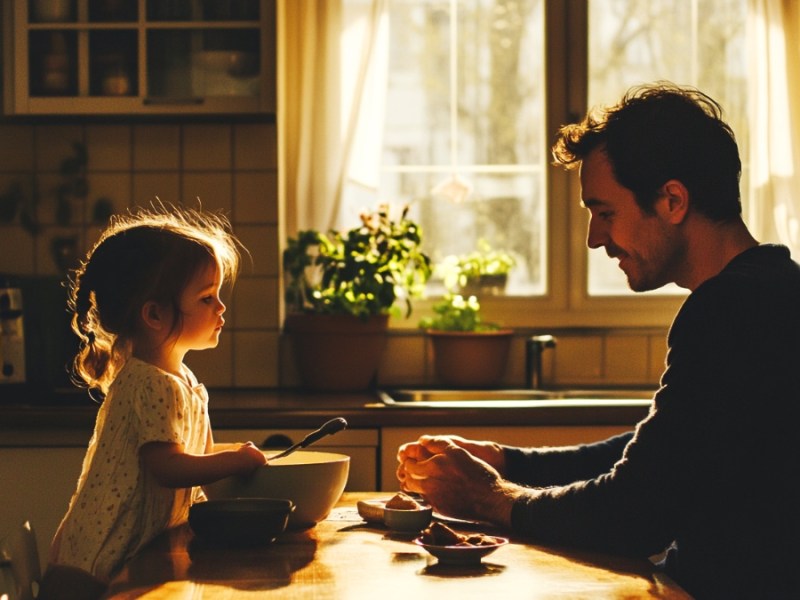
(374, 510)
(462, 555)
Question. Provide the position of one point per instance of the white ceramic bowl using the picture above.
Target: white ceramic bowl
(398, 519)
(314, 481)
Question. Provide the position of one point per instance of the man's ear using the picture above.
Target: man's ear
(153, 316)
(673, 203)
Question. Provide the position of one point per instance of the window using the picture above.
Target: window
(464, 131)
(699, 42)
(476, 89)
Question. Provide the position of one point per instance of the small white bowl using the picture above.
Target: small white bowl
(410, 520)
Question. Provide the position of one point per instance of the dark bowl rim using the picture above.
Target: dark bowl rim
(259, 504)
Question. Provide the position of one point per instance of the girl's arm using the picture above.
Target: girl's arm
(212, 446)
(172, 467)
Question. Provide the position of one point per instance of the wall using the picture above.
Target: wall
(233, 167)
(582, 358)
(229, 166)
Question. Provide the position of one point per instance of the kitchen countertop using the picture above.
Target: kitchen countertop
(269, 408)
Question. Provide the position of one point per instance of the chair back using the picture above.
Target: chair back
(20, 573)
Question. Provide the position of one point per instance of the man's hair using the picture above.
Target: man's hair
(660, 132)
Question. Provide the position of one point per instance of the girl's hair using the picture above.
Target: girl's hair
(145, 255)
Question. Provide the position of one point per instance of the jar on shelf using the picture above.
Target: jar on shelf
(116, 82)
(115, 78)
(51, 11)
(55, 73)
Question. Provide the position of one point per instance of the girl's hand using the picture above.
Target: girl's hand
(251, 456)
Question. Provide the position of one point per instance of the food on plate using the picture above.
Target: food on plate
(401, 501)
(439, 534)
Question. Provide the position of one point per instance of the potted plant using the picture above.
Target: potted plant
(341, 289)
(467, 352)
(481, 272)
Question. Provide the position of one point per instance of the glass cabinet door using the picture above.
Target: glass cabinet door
(201, 63)
(141, 56)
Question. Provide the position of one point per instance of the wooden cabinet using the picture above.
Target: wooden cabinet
(393, 437)
(158, 57)
(36, 485)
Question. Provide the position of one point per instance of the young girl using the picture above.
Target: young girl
(148, 293)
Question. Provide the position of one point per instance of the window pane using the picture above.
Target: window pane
(506, 210)
(466, 101)
(696, 42)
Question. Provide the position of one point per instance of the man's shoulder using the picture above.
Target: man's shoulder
(760, 269)
(765, 260)
(760, 285)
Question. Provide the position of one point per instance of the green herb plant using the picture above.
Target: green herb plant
(457, 271)
(362, 272)
(456, 313)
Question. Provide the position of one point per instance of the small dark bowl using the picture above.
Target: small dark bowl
(240, 521)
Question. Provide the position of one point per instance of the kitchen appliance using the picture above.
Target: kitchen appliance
(36, 343)
(12, 335)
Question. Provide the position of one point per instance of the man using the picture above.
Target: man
(710, 473)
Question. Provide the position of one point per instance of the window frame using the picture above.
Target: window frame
(567, 302)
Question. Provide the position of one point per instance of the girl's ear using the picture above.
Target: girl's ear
(153, 316)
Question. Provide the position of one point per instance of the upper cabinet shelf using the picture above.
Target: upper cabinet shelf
(159, 57)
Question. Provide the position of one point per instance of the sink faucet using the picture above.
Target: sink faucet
(534, 346)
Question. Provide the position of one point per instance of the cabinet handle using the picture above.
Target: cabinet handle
(173, 101)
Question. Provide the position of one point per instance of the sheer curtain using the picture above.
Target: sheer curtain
(331, 88)
(774, 99)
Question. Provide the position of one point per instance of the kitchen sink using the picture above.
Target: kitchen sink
(519, 398)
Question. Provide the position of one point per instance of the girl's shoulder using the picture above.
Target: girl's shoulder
(142, 375)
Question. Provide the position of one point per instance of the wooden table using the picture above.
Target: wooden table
(343, 558)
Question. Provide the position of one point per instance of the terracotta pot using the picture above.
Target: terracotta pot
(470, 359)
(337, 352)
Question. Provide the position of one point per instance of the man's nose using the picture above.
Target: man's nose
(596, 236)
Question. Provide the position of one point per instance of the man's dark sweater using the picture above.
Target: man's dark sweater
(713, 468)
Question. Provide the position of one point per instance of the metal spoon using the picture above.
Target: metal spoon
(328, 428)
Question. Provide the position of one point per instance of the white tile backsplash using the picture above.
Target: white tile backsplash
(625, 358)
(151, 187)
(207, 147)
(156, 147)
(255, 359)
(214, 190)
(16, 148)
(109, 147)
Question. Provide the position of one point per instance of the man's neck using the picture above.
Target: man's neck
(711, 246)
